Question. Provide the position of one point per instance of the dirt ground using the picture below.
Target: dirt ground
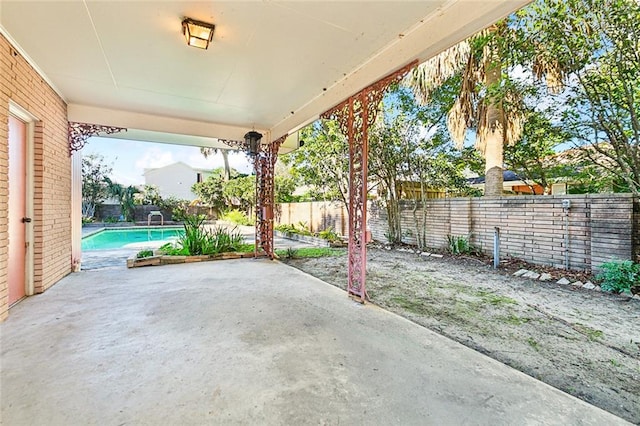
(583, 342)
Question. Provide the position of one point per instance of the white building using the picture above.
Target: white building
(175, 180)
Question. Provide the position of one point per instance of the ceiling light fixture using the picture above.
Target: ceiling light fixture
(197, 33)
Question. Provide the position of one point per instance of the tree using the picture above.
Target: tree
(480, 104)
(533, 158)
(407, 147)
(323, 162)
(210, 192)
(125, 196)
(207, 152)
(597, 44)
(94, 186)
(284, 188)
(241, 192)
(491, 100)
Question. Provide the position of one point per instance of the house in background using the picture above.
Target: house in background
(513, 184)
(175, 180)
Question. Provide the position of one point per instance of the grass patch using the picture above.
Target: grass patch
(593, 334)
(310, 252)
(408, 304)
(533, 343)
(498, 300)
(615, 363)
(514, 320)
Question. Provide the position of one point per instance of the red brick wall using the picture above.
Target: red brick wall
(20, 83)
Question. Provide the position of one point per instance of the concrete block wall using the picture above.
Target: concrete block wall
(20, 83)
(600, 227)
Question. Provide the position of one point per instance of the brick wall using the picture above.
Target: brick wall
(52, 171)
(600, 227)
(319, 215)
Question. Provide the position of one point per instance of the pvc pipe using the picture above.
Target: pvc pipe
(496, 247)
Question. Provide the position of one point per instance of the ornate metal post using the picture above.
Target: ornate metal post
(264, 165)
(264, 162)
(354, 117)
(78, 133)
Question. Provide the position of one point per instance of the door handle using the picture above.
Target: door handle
(26, 220)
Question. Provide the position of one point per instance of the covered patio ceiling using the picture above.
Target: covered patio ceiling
(273, 66)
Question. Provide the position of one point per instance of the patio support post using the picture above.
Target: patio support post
(264, 164)
(354, 116)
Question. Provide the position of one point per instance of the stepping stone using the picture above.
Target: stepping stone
(439, 256)
(545, 277)
(589, 285)
(563, 281)
(520, 273)
(532, 274)
(577, 284)
(425, 254)
(637, 297)
(597, 288)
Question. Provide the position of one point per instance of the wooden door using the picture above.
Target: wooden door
(17, 208)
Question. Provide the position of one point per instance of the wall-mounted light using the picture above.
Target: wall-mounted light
(252, 140)
(197, 33)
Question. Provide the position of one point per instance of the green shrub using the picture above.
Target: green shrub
(222, 240)
(301, 229)
(195, 239)
(110, 219)
(458, 244)
(619, 275)
(172, 250)
(198, 240)
(330, 235)
(288, 229)
(238, 217)
(144, 253)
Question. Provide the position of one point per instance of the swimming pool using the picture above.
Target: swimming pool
(117, 238)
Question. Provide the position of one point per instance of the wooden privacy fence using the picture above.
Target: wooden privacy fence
(597, 227)
(318, 215)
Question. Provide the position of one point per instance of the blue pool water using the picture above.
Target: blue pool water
(110, 239)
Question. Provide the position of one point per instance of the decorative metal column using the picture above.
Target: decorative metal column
(354, 116)
(264, 165)
(79, 133)
(264, 162)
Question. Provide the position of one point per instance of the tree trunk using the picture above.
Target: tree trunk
(494, 143)
(227, 169)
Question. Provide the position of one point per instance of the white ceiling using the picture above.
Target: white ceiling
(272, 65)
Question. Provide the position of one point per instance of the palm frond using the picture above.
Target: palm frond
(431, 74)
(547, 67)
(206, 151)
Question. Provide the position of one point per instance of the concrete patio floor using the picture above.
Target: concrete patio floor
(248, 342)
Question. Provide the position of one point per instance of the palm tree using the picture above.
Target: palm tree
(207, 151)
(125, 195)
(485, 103)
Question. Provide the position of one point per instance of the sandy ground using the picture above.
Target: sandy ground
(583, 342)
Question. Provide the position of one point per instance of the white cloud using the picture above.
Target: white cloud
(154, 157)
(237, 160)
(197, 160)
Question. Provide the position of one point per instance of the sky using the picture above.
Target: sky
(129, 158)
